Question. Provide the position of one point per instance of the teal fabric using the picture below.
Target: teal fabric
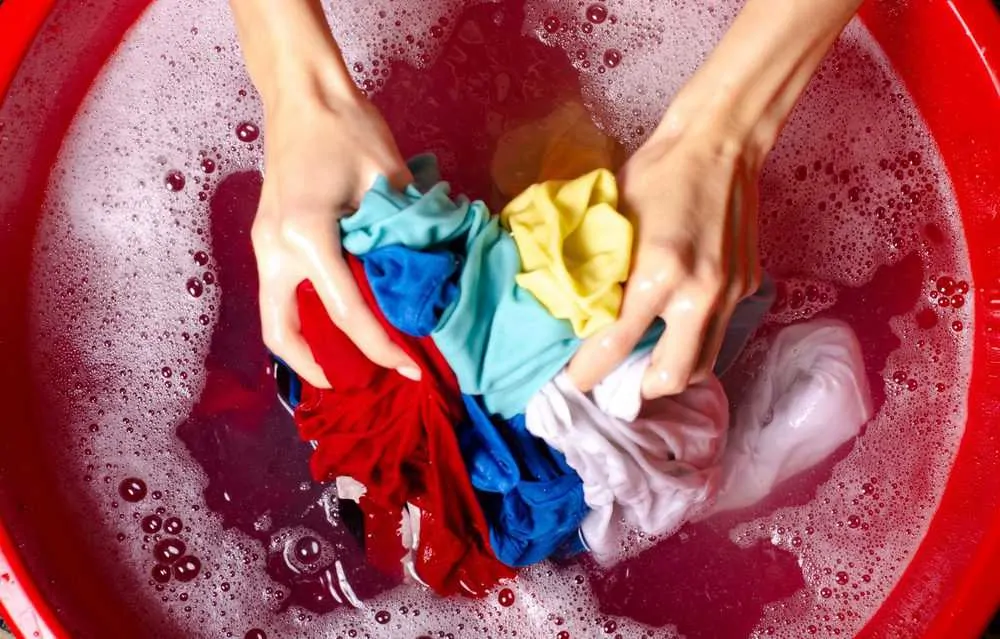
(500, 341)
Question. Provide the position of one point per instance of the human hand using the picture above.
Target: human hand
(692, 196)
(692, 191)
(325, 147)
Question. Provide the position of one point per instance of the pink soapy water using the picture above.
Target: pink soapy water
(216, 525)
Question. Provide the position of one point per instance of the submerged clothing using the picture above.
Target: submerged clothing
(498, 339)
(655, 465)
(413, 289)
(647, 465)
(532, 500)
(561, 146)
(396, 437)
(810, 397)
(575, 248)
(651, 471)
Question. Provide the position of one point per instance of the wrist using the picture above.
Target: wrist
(745, 91)
(718, 119)
(289, 50)
(306, 74)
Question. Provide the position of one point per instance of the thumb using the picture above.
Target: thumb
(602, 353)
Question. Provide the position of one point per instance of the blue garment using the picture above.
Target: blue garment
(746, 319)
(499, 340)
(412, 288)
(532, 500)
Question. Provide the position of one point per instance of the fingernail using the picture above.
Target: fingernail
(409, 372)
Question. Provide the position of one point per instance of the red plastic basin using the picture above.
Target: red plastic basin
(945, 52)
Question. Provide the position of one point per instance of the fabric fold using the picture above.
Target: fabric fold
(651, 473)
(575, 248)
(532, 500)
(413, 288)
(498, 339)
(396, 437)
(810, 397)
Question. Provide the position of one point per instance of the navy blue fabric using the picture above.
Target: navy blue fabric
(413, 288)
(533, 501)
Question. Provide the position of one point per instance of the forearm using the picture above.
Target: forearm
(751, 82)
(288, 44)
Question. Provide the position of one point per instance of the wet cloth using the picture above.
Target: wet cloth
(413, 288)
(575, 248)
(651, 471)
(651, 465)
(810, 397)
(395, 436)
(501, 343)
(532, 499)
(654, 465)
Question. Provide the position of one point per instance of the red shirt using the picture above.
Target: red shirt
(397, 437)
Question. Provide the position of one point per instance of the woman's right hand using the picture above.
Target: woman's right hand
(321, 155)
(325, 146)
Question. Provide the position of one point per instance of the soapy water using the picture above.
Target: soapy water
(165, 422)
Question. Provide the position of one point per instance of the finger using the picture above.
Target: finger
(347, 308)
(602, 353)
(751, 235)
(643, 301)
(715, 335)
(741, 266)
(675, 356)
(295, 352)
(281, 332)
(739, 241)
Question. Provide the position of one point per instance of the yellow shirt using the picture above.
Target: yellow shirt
(575, 248)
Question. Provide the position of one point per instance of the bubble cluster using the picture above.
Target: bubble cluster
(798, 299)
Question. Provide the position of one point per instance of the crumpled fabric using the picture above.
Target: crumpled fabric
(533, 501)
(575, 248)
(810, 397)
(413, 288)
(648, 465)
(498, 339)
(395, 436)
(650, 471)
(561, 146)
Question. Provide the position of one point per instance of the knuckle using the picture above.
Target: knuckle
(697, 302)
(274, 343)
(616, 346)
(288, 230)
(613, 346)
(712, 279)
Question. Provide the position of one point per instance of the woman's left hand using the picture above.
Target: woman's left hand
(692, 196)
